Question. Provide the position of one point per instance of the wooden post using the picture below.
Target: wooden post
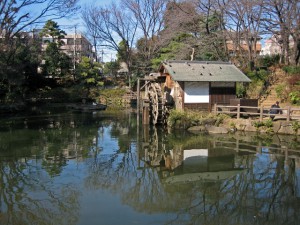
(215, 108)
(145, 112)
(238, 111)
(138, 96)
(261, 113)
(288, 116)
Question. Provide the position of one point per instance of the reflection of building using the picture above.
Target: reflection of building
(203, 164)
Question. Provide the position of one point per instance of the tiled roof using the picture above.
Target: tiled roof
(204, 71)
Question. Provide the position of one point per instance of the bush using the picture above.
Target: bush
(295, 126)
(295, 97)
(268, 60)
(240, 90)
(279, 89)
(292, 69)
(186, 119)
(294, 80)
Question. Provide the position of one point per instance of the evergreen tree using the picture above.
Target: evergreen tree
(56, 62)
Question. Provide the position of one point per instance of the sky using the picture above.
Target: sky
(76, 24)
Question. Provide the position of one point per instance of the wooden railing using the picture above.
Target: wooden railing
(288, 113)
(241, 146)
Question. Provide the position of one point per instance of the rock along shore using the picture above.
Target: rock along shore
(232, 125)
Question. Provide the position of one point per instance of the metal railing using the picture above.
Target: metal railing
(288, 113)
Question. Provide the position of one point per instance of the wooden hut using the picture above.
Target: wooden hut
(199, 85)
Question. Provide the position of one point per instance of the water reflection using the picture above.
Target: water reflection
(50, 167)
(237, 179)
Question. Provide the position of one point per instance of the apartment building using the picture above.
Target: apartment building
(75, 46)
(236, 43)
(273, 45)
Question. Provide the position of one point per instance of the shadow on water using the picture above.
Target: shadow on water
(84, 167)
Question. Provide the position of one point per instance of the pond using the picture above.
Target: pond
(77, 168)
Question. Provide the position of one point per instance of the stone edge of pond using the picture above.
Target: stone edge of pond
(232, 125)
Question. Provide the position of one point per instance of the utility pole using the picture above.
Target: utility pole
(95, 48)
(74, 53)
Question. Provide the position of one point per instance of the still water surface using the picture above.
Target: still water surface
(84, 168)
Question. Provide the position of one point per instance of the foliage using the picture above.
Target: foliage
(258, 75)
(255, 89)
(258, 85)
(174, 50)
(268, 60)
(240, 90)
(295, 126)
(268, 124)
(111, 68)
(295, 97)
(292, 69)
(56, 63)
(279, 89)
(294, 80)
(185, 119)
(89, 72)
(18, 62)
(52, 29)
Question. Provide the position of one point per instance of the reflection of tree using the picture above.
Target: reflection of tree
(31, 161)
(124, 130)
(263, 194)
(24, 199)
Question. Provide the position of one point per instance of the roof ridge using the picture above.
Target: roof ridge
(198, 62)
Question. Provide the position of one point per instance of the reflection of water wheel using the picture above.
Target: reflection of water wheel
(158, 109)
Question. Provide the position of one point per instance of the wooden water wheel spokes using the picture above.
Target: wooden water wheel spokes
(155, 95)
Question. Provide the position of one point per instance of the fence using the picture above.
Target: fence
(288, 113)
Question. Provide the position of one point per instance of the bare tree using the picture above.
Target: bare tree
(113, 27)
(278, 20)
(17, 15)
(295, 13)
(243, 23)
(149, 16)
(212, 25)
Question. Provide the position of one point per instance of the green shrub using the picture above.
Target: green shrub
(174, 116)
(295, 97)
(267, 61)
(240, 90)
(292, 69)
(295, 126)
(258, 124)
(268, 123)
(185, 119)
(279, 89)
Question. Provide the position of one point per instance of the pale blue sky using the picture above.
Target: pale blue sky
(69, 25)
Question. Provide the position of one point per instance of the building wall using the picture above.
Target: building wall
(75, 46)
(272, 46)
(217, 94)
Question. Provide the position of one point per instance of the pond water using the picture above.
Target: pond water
(77, 168)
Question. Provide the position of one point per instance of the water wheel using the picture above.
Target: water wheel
(158, 109)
